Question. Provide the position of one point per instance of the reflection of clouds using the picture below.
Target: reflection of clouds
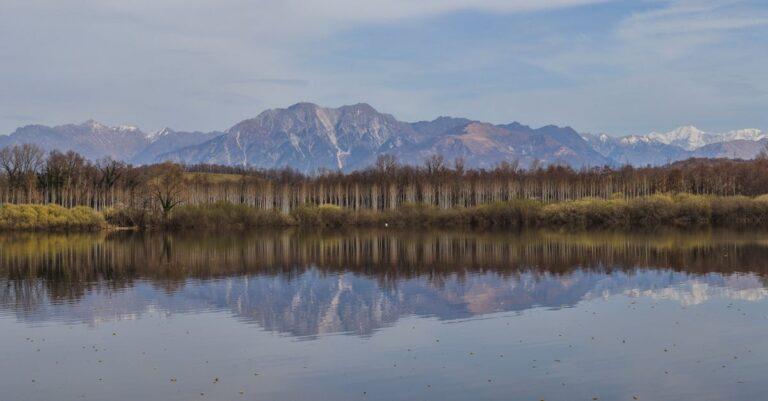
(694, 293)
(312, 302)
(309, 285)
(738, 287)
(481, 299)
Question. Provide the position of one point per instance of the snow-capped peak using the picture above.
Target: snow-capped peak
(633, 139)
(691, 138)
(97, 126)
(127, 128)
(687, 137)
(749, 134)
(153, 136)
(589, 137)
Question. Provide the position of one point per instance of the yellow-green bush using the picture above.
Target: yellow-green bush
(739, 210)
(651, 211)
(692, 210)
(682, 210)
(49, 217)
(587, 213)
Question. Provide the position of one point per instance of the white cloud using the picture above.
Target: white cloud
(292, 18)
(201, 64)
(684, 17)
(677, 62)
(158, 62)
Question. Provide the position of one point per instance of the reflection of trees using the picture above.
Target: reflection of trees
(121, 257)
(307, 283)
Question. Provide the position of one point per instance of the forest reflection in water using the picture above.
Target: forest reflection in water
(305, 284)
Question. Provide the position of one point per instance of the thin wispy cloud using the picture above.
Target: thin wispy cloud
(599, 65)
(687, 17)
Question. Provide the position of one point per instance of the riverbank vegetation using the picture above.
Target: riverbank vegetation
(49, 217)
(652, 212)
(692, 193)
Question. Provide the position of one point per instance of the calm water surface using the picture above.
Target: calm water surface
(381, 315)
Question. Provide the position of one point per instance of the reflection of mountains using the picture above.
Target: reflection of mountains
(309, 284)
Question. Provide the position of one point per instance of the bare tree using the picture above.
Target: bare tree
(386, 163)
(459, 165)
(435, 163)
(169, 187)
(109, 172)
(70, 180)
(20, 164)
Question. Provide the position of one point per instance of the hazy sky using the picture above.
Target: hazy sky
(598, 65)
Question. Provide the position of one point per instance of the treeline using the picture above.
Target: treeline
(29, 176)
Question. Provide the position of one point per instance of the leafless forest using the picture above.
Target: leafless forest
(29, 176)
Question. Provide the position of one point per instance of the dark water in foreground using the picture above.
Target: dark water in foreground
(378, 315)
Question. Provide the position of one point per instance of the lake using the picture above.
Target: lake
(384, 315)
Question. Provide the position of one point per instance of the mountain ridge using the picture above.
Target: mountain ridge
(308, 138)
(680, 143)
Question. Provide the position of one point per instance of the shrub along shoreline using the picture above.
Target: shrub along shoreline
(49, 218)
(657, 211)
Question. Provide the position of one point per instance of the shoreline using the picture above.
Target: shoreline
(681, 211)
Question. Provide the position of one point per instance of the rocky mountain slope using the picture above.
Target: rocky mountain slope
(735, 149)
(95, 141)
(91, 139)
(167, 140)
(304, 136)
(308, 138)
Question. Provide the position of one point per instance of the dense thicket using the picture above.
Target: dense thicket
(651, 212)
(28, 176)
(49, 217)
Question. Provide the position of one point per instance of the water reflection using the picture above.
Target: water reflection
(307, 284)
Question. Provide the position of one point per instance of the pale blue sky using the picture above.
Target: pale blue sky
(611, 66)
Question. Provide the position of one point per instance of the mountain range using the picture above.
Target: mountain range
(681, 143)
(308, 138)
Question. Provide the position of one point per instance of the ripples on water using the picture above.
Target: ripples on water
(433, 315)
